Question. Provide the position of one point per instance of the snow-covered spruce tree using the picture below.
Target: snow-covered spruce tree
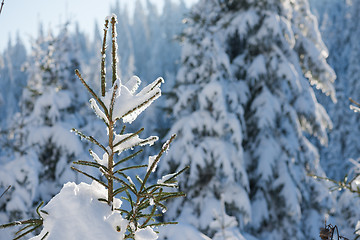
(242, 108)
(93, 211)
(208, 111)
(43, 146)
(52, 104)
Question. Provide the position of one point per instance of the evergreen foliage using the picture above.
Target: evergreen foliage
(41, 146)
(243, 107)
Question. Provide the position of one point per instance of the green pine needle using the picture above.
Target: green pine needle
(89, 138)
(91, 164)
(131, 167)
(128, 157)
(119, 190)
(89, 176)
(92, 92)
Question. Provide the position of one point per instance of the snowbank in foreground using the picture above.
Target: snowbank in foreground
(182, 231)
(76, 213)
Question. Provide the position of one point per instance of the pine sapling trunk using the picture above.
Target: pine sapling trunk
(110, 117)
(110, 164)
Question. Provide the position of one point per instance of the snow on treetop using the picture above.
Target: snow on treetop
(108, 18)
(75, 203)
(151, 161)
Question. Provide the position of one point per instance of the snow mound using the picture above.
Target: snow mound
(182, 231)
(145, 234)
(76, 213)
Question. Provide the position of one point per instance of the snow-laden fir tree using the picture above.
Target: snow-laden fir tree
(243, 105)
(51, 105)
(208, 110)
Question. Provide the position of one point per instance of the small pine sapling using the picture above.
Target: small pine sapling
(121, 103)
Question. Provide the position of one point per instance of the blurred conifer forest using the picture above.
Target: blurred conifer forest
(257, 93)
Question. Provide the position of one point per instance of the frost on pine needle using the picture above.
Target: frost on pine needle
(97, 110)
(130, 181)
(133, 84)
(94, 211)
(166, 179)
(151, 161)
